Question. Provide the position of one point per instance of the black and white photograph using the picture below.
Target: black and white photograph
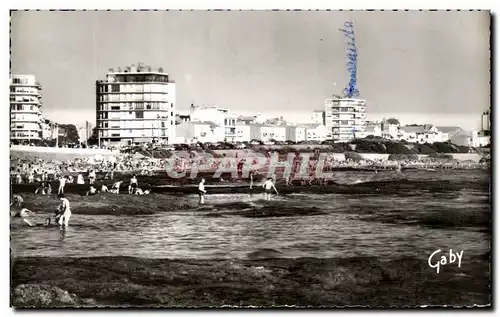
(250, 158)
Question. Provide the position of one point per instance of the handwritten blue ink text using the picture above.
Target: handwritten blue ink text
(352, 60)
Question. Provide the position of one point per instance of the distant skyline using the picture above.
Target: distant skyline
(420, 67)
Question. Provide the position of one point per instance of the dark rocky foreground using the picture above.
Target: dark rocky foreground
(304, 282)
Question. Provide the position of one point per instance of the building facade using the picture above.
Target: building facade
(389, 130)
(267, 133)
(196, 131)
(318, 117)
(485, 121)
(315, 132)
(220, 116)
(296, 133)
(344, 118)
(242, 133)
(375, 130)
(420, 134)
(135, 105)
(25, 108)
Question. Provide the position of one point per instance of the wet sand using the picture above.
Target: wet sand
(304, 282)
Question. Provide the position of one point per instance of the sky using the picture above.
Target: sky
(420, 67)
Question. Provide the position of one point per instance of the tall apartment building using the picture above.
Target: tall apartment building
(135, 105)
(344, 118)
(25, 108)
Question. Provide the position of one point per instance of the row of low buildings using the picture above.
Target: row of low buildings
(428, 133)
(137, 104)
(342, 119)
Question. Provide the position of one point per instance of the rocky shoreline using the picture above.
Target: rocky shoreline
(255, 282)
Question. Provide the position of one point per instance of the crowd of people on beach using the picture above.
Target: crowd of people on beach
(35, 170)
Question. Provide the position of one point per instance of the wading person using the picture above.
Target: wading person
(268, 187)
(201, 191)
(251, 179)
(64, 211)
(133, 185)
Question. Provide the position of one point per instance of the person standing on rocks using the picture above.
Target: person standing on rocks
(133, 185)
(92, 177)
(80, 180)
(17, 200)
(62, 183)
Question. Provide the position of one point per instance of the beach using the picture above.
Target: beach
(365, 241)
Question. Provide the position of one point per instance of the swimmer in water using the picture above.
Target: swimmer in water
(24, 214)
(268, 186)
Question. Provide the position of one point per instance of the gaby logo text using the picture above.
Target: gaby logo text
(436, 262)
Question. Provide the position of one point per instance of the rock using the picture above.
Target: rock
(41, 295)
(89, 302)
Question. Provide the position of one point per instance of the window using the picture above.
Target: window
(115, 107)
(130, 112)
(148, 107)
(105, 124)
(115, 88)
(139, 114)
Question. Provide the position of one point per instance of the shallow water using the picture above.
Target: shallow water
(384, 226)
